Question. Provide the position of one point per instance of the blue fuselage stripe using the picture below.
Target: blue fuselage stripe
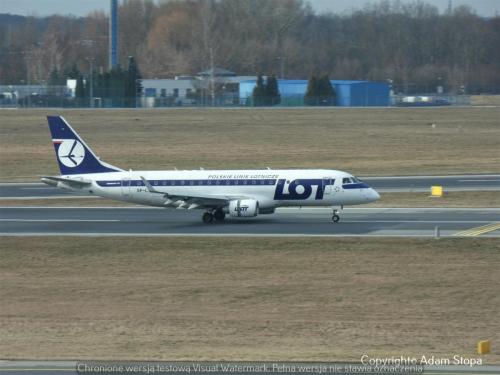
(360, 185)
(206, 182)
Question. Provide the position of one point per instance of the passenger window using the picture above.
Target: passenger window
(345, 180)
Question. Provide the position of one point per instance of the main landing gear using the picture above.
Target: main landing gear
(215, 215)
(335, 217)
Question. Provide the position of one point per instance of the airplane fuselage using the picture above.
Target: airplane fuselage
(271, 188)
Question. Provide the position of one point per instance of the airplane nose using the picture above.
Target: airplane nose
(374, 196)
(371, 195)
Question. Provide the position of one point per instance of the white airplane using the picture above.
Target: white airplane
(239, 193)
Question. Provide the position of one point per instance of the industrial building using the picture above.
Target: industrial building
(349, 93)
(194, 90)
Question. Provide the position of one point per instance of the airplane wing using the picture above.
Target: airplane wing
(190, 201)
(74, 183)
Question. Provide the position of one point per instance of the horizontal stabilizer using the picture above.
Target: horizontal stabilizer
(74, 183)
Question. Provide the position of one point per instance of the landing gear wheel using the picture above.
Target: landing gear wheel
(219, 215)
(207, 217)
(335, 217)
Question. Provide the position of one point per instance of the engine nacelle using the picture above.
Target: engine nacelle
(244, 208)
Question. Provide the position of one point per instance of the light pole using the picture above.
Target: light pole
(282, 66)
(91, 75)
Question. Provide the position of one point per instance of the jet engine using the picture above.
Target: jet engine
(243, 208)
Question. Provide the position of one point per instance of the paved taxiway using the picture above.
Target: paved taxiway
(381, 184)
(102, 221)
(70, 368)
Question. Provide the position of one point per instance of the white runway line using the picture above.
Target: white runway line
(57, 220)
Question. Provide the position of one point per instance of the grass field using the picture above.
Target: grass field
(258, 298)
(365, 141)
(449, 199)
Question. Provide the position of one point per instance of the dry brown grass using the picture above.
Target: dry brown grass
(286, 299)
(485, 100)
(361, 140)
(450, 199)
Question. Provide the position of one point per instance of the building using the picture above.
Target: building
(349, 93)
(222, 87)
(167, 91)
(217, 87)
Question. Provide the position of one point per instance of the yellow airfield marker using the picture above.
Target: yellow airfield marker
(436, 191)
(483, 347)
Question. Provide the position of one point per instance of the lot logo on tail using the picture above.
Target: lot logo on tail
(70, 152)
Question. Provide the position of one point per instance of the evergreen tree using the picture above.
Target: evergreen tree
(272, 91)
(319, 91)
(55, 78)
(80, 90)
(259, 92)
(326, 92)
(73, 73)
(117, 85)
(133, 87)
(311, 96)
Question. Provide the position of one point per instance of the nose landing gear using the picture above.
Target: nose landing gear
(335, 217)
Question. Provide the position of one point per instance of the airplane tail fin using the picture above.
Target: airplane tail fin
(73, 154)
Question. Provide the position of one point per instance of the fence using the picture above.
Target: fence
(58, 97)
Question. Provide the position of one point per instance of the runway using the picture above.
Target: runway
(381, 184)
(362, 222)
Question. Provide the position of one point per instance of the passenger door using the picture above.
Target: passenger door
(126, 186)
(328, 187)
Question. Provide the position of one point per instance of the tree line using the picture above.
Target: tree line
(119, 87)
(406, 44)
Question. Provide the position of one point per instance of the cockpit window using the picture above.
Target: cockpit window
(351, 180)
(346, 180)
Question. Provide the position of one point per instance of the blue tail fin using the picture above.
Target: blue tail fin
(73, 155)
